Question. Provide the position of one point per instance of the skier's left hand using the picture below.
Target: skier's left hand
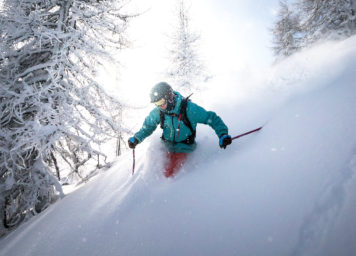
(225, 140)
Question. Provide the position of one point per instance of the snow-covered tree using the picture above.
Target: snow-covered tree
(286, 32)
(307, 21)
(186, 70)
(327, 19)
(51, 107)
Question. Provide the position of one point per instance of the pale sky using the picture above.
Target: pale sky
(234, 37)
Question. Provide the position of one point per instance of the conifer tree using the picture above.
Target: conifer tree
(186, 71)
(51, 107)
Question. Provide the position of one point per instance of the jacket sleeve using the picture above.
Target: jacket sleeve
(198, 114)
(149, 125)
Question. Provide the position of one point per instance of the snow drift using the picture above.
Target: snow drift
(287, 190)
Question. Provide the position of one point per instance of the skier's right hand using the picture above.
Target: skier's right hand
(132, 142)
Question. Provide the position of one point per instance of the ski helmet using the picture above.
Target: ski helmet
(161, 90)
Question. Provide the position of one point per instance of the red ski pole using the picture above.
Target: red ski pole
(246, 133)
(133, 164)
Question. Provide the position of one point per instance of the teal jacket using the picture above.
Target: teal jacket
(172, 137)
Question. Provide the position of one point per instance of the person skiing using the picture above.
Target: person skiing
(178, 117)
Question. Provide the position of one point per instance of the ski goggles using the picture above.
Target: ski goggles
(160, 103)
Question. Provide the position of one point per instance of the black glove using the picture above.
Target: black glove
(224, 140)
(132, 142)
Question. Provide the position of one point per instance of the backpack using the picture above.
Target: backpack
(183, 116)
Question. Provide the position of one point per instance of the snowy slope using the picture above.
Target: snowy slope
(287, 190)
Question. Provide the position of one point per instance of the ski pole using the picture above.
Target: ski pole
(246, 133)
(133, 163)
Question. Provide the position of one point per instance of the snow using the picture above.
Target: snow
(285, 190)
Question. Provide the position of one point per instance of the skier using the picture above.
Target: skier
(178, 118)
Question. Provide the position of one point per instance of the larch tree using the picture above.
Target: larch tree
(51, 107)
(186, 70)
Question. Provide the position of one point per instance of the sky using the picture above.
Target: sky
(234, 38)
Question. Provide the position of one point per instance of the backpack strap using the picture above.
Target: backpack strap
(183, 113)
